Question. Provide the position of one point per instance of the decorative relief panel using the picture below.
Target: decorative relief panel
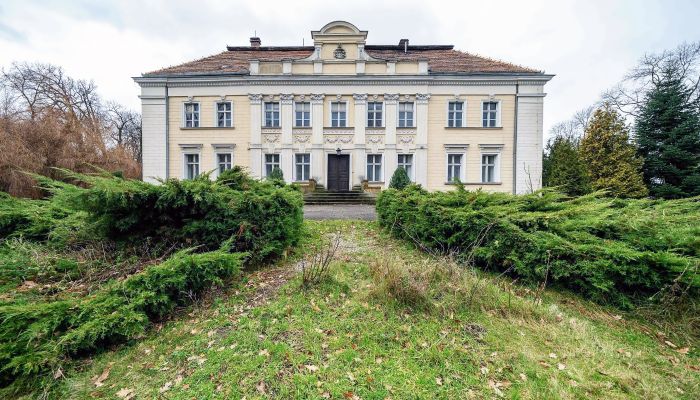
(272, 130)
(271, 138)
(371, 131)
(338, 139)
(302, 138)
(406, 139)
(302, 131)
(375, 139)
(405, 131)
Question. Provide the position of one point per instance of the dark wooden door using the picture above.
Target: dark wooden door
(338, 172)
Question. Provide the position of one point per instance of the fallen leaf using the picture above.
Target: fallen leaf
(351, 377)
(552, 355)
(125, 393)
(438, 380)
(261, 387)
(484, 370)
(669, 344)
(165, 387)
(561, 366)
(58, 374)
(351, 396)
(523, 377)
(264, 352)
(684, 350)
(104, 375)
(311, 368)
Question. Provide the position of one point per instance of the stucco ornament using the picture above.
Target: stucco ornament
(339, 53)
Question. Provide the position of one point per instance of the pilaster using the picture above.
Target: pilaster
(255, 135)
(421, 156)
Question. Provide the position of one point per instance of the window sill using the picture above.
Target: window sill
(302, 127)
(271, 127)
(187, 128)
(349, 128)
(376, 127)
(493, 128)
(475, 183)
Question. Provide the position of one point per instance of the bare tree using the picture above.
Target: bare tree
(124, 128)
(574, 128)
(628, 95)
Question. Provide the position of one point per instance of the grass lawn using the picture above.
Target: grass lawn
(357, 336)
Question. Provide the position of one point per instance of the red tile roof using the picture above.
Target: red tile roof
(441, 60)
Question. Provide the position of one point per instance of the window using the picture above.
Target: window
(454, 167)
(405, 161)
(455, 114)
(272, 114)
(338, 114)
(302, 167)
(272, 161)
(490, 114)
(488, 167)
(405, 115)
(224, 161)
(224, 116)
(374, 167)
(374, 114)
(302, 114)
(191, 165)
(191, 115)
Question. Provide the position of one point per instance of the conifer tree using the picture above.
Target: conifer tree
(668, 136)
(610, 158)
(564, 168)
(399, 179)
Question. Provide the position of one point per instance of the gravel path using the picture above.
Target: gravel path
(340, 211)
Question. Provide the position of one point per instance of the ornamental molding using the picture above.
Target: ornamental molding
(406, 139)
(317, 98)
(375, 139)
(405, 131)
(302, 138)
(302, 131)
(337, 131)
(286, 98)
(271, 138)
(372, 131)
(360, 98)
(422, 98)
(248, 80)
(255, 98)
(275, 131)
(338, 139)
(391, 97)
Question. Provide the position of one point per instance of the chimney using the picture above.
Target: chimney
(255, 42)
(403, 43)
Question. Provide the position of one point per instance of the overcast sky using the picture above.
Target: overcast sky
(589, 45)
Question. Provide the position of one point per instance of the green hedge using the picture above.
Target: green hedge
(36, 337)
(613, 251)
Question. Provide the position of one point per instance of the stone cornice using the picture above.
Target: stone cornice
(238, 80)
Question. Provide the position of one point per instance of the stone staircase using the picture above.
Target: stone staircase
(355, 196)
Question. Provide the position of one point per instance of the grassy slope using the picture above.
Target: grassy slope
(341, 340)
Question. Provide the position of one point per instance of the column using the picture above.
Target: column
(255, 135)
(286, 123)
(359, 154)
(318, 159)
(421, 157)
(390, 161)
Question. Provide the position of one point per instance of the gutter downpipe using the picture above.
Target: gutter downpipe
(515, 141)
(167, 133)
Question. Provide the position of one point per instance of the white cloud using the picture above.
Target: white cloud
(588, 45)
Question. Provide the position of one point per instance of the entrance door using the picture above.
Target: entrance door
(338, 172)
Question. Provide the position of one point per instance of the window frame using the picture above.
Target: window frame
(198, 112)
(463, 113)
(498, 113)
(413, 114)
(216, 113)
(186, 163)
(330, 113)
(462, 165)
(412, 166)
(297, 178)
(382, 119)
(496, 167)
(381, 167)
(217, 162)
(279, 114)
(296, 125)
(265, 163)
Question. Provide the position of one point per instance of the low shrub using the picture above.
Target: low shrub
(399, 179)
(36, 337)
(614, 251)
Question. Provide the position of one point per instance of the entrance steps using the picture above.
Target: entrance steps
(354, 196)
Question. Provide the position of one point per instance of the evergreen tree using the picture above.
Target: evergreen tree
(668, 136)
(610, 158)
(276, 175)
(399, 179)
(563, 167)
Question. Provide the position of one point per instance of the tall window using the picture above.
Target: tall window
(374, 167)
(191, 115)
(405, 161)
(224, 161)
(191, 165)
(302, 114)
(490, 114)
(272, 114)
(224, 115)
(302, 166)
(455, 114)
(272, 161)
(488, 167)
(454, 167)
(374, 114)
(339, 114)
(405, 115)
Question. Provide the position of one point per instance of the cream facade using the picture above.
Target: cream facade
(342, 112)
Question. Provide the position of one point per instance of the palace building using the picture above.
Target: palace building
(343, 113)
